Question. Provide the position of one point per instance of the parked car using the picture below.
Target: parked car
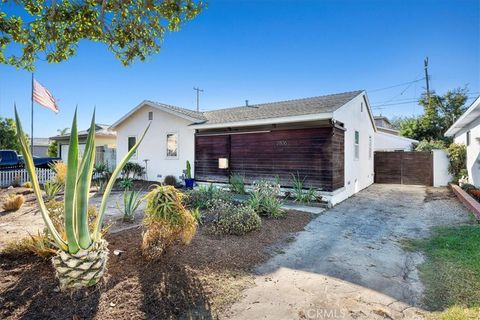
(9, 159)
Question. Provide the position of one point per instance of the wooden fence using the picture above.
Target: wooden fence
(20, 176)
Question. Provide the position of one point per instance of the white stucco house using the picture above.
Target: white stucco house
(466, 130)
(388, 138)
(327, 140)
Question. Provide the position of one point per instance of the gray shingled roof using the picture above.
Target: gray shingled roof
(298, 107)
(187, 112)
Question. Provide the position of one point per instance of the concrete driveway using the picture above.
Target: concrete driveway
(349, 264)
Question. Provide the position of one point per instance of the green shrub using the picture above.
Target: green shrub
(200, 197)
(429, 145)
(133, 170)
(170, 181)
(237, 184)
(457, 154)
(468, 186)
(264, 199)
(233, 219)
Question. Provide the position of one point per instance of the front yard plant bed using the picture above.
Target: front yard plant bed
(195, 281)
(469, 196)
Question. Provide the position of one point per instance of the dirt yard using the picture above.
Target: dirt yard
(197, 281)
(15, 225)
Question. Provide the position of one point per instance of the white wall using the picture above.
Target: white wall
(358, 173)
(154, 146)
(389, 142)
(473, 150)
(441, 177)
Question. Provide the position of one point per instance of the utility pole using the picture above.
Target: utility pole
(425, 62)
(198, 97)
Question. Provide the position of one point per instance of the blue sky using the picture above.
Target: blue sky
(268, 51)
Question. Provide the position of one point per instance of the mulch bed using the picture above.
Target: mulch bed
(196, 281)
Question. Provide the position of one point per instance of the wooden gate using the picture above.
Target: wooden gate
(404, 168)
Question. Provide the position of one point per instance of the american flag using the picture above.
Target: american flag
(43, 97)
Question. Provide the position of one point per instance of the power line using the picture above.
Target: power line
(397, 85)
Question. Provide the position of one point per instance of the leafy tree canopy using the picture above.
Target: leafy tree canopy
(440, 112)
(132, 29)
(8, 138)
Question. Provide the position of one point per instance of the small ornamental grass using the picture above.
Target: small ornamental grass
(167, 221)
(52, 189)
(131, 202)
(233, 219)
(237, 184)
(264, 199)
(14, 202)
(60, 169)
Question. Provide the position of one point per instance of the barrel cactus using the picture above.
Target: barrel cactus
(82, 252)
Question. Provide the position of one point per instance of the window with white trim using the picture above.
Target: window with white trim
(132, 141)
(357, 145)
(172, 145)
(468, 138)
(370, 149)
(150, 115)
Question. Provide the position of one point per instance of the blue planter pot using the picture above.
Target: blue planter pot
(189, 183)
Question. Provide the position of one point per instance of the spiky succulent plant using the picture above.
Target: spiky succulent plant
(82, 254)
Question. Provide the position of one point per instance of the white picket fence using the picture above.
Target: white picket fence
(20, 176)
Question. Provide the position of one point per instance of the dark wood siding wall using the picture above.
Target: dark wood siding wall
(208, 149)
(317, 154)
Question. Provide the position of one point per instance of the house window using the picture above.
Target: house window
(172, 145)
(150, 115)
(132, 141)
(361, 106)
(370, 147)
(357, 145)
(468, 138)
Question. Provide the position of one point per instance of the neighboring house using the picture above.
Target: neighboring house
(387, 138)
(466, 130)
(105, 141)
(328, 141)
(40, 147)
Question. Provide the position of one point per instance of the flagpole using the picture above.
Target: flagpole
(31, 127)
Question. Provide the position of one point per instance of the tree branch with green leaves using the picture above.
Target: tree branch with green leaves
(52, 30)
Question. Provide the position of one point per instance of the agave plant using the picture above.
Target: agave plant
(82, 254)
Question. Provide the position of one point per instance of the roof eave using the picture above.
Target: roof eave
(277, 120)
(156, 106)
(459, 125)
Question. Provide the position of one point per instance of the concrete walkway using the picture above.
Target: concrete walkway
(349, 264)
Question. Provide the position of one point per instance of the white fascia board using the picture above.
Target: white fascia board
(370, 113)
(146, 103)
(289, 119)
(397, 137)
(463, 120)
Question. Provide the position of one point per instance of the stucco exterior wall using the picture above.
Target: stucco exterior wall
(473, 150)
(154, 146)
(441, 177)
(358, 173)
(389, 142)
